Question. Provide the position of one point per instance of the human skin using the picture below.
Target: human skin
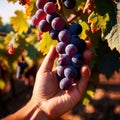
(48, 101)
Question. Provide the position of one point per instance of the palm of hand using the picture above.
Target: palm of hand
(46, 91)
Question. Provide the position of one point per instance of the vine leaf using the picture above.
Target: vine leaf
(98, 22)
(1, 23)
(86, 28)
(14, 1)
(46, 43)
(30, 8)
(114, 36)
(21, 26)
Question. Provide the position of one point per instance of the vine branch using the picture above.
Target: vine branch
(3, 34)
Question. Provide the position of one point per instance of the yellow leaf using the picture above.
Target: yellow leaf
(14, 1)
(86, 101)
(46, 43)
(19, 22)
(2, 84)
(30, 8)
(1, 21)
(85, 28)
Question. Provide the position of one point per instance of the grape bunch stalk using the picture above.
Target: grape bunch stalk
(70, 46)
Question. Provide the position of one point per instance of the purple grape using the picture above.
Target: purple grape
(60, 48)
(79, 43)
(60, 71)
(65, 84)
(77, 60)
(70, 72)
(54, 34)
(71, 50)
(50, 7)
(58, 23)
(64, 35)
(40, 14)
(40, 3)
(35, 21)
(75, 29)
(69, 4)
(44, 26)
(51, 16)
(63, 60)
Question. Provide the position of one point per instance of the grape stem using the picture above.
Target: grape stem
(59, 5)
(73, 17)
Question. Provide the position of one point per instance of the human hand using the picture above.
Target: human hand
(47, 94)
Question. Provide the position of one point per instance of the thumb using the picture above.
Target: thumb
(49, 60)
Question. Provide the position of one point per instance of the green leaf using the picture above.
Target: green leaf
(19, 22)
(108, 61)
(46, 43)
(98, 22)
(103, 17)
(31, 51)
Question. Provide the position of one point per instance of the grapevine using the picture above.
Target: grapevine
(67, 21)
(70, 46)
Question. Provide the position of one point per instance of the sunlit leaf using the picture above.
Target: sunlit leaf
(98, 22)
(85, 28)
(30, 8)
(19, 22)
(1, 23)
(46, 43)
(2, 84)
(14, 1)
(113, 37)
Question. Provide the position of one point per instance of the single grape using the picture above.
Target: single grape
(63, 60)
(75, 29)
(40, 3)
(35, 21)
(69, 4)
(54, 34)
(70, 72)
(50, 7)
(79, 43)
(71, 50)
(58, 23)
(60, 71)
(11, 49)
(64, 35)
(77, 60)
(40, 14)
(39, 35)
(60, 48)
(44, 26)
(21, 68)
(65, 84)
(50, 17)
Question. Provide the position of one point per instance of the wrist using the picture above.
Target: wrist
(36, 112)
(31, 111)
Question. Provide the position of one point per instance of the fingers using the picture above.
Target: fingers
(49, 60)
(85, 75)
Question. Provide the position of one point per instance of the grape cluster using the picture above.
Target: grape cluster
(22, 2)
(22, 65)
(70, 46)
